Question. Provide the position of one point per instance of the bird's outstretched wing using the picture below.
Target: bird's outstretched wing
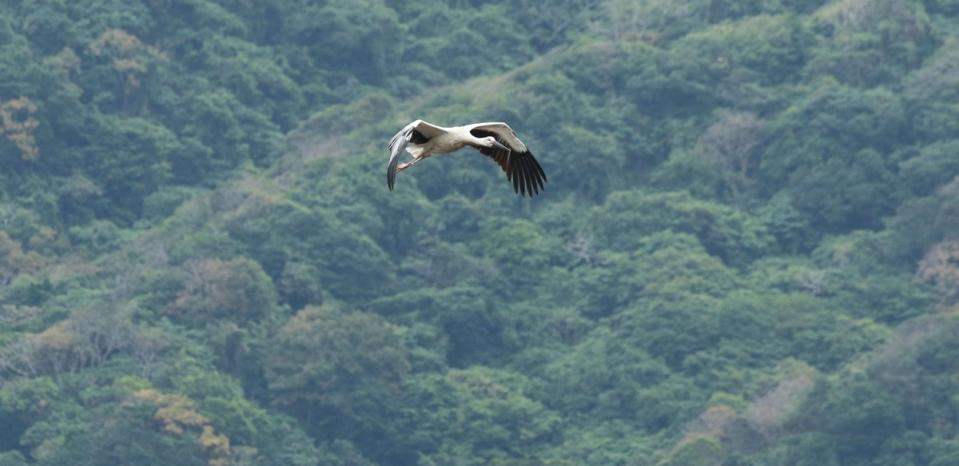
(519, 164)
(418, 132)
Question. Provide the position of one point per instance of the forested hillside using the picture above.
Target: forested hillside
(747, 252)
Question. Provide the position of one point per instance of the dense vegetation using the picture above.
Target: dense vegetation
(747, 254)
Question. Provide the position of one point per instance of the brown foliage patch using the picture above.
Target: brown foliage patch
(18, 120)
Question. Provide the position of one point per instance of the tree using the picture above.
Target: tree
(131, 60)
(862, 415)
(832, 121)
(940, 266)
(213, 289)
(723, 231)
(920, 223)
(473, 416)
(851, 191)
(131, 159)
(340, 373)
(872, 41)
(19, 124)
(697, 451)
(13, 260)
(730, 145)
(935, 165)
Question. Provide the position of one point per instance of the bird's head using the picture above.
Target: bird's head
(491, 142)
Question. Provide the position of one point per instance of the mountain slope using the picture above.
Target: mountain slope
(745, 254)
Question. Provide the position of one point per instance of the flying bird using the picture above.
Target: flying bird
(494, 140)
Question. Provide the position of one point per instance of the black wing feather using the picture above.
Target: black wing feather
(524, 163)
(540, 174)
(521, 168)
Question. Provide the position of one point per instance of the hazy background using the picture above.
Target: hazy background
(747, 253)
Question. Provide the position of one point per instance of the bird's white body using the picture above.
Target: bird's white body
(495, 140)
(447, 142)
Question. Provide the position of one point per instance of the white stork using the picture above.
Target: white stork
(495, 140)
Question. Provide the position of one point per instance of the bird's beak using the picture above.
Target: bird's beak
(499, 146)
